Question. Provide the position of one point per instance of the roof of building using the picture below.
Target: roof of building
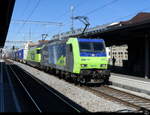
(140, 17)
(6, 9)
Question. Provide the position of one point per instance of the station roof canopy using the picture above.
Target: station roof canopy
(136, 28)
(6, 9)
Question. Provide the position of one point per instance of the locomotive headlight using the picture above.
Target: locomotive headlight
(103, 65)
(83, 65)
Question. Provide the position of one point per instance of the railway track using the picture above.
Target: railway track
(139, 103)
(35, 96)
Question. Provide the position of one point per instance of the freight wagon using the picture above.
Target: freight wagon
(21, 55)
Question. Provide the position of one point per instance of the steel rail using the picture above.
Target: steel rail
(27, 76)
(26, 90)
(46, 87)
(57, 94)
(109, 93)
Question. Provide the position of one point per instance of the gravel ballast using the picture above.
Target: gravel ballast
(82, 97)
(132, 92)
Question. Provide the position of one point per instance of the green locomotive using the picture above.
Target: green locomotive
(34, 56)
(82, 59)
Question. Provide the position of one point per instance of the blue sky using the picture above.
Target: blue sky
(98, 11)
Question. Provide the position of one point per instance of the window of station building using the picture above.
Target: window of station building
(118, 54)
(121, 54)
(115, 54)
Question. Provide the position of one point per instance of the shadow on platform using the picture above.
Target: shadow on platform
(125, 71)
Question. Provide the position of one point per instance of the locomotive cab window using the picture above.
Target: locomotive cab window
(38, 51)
(92, 47)
(99, 47)
(85, 46)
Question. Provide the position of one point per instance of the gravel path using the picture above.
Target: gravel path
(84, 98)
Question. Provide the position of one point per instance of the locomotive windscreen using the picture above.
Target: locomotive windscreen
(92, 47)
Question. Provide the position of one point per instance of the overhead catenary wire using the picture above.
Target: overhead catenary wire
(101, 7)
(114, 1)
(27, 20)
(25, 8)
(29, 16)
(67, 12)
(76, 6)
(37, 22)
(44, 23)
(96, 9)
(131, 14)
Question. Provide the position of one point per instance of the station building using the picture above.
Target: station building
(120, 53)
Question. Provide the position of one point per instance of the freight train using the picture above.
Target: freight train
(83, 60)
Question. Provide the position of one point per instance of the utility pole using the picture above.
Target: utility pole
(72, 11)
(30, 33)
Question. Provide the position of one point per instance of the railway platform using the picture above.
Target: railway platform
(129, 82)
